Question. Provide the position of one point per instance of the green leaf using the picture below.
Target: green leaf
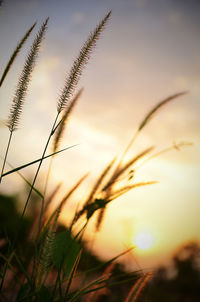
(43, 295)
(65, 251)
(23, 292)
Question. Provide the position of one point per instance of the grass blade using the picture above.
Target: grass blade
(72, 274)
(137, 288)
(27, 182)
(109, 261)
(85, 289)
(35, 161)
(95, 295)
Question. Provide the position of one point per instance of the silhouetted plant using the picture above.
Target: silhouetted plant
(51, 260)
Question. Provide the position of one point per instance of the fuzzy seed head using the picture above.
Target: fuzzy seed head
(22, 87)
(79, 64)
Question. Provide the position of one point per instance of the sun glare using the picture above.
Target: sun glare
(143, 241)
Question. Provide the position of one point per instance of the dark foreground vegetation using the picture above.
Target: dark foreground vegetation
(179, 282)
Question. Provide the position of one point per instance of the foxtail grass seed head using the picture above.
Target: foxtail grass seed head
(79, 64)
(22, 87)
(15, 53)
(100, 219)
(99, 181)
(157, 107)
(62, 124)
(45, 260)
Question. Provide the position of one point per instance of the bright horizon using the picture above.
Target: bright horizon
(149, 51)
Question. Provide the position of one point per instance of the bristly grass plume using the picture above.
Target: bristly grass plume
(15, 53)
(22, 87)
(59, 132)
(62, 124)
(69, 87)
(148, 117)
(43, 267)
(79, 64)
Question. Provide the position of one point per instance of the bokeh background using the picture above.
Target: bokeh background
(149, 50)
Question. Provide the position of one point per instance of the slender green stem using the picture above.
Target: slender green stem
(60, 284)
(130, 144)
(29, 195)
(8, 146)
(55, 287)
(45, 189)
(43, 199)
(36, 174)
(40, 218)
(48, 175)
(39, 166)
(6, 267)
(127, 149)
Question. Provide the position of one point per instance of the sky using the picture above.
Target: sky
(149, 50)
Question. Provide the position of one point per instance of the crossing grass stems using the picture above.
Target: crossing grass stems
(58, 253)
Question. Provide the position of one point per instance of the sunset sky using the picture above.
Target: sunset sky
(149, 50)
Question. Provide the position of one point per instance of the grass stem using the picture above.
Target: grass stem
(39, 166)
(4, 162)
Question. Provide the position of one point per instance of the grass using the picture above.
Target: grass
(53, 257)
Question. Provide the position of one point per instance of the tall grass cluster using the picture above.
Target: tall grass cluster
(51, 266)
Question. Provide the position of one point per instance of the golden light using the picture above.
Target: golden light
(143, 241)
